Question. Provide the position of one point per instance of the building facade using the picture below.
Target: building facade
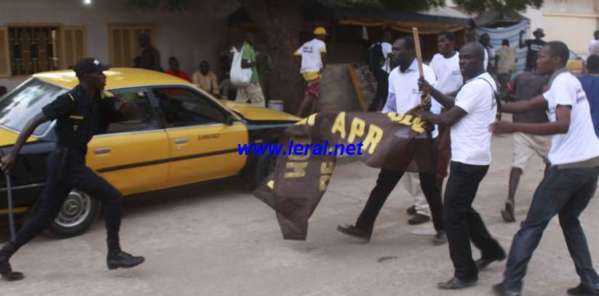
(41, 35)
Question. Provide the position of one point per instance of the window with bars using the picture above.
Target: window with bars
(32, 49)
(28, 49)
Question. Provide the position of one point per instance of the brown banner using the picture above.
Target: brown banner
(386, 140)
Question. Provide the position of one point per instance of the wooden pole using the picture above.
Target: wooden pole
(425, 99)
(418, 50)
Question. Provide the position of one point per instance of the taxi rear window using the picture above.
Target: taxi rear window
(26, 101)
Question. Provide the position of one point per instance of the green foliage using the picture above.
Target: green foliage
(171, 5)
(497, 5)
(411, 5)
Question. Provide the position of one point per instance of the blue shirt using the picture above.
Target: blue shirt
(590, 84)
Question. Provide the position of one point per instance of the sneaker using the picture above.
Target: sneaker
(583, 290)
(354, 231)
(411, 210)
(123, 260)
(418, 219)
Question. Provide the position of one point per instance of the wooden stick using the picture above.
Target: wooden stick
(418, 50)
(425, 98)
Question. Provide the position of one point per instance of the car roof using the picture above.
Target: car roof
(115, 78)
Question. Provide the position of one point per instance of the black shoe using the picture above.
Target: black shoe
(418, 219)
(411, 210)
(6, 271)
(500, 290)
(482, 263)
(354, 231)
(123, 260)
(583, 290)
(456, 284)
(440, 238)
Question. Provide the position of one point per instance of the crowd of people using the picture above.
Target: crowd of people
(555, 116)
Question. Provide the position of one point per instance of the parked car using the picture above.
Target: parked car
(173, 134)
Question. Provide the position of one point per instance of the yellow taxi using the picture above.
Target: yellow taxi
(173, 134)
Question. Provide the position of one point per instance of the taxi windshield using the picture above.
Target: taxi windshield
(26, 101)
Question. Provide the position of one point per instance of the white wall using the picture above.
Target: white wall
(571, 21)
(196, 34)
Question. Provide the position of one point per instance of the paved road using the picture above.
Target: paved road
(218, 240)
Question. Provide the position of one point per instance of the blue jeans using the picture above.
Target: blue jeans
(566, 193)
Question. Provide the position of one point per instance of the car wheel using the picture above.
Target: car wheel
(76, 215)
(264, 167)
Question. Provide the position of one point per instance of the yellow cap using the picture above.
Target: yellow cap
(320, 31)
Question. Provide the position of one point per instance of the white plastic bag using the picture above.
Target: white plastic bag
(239, 77)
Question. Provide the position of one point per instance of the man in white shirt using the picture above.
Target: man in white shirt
(313, 54)
(404, 95)
(594, 44)
(470, 116)
(446, 65)
(571, 180)
(379, 57)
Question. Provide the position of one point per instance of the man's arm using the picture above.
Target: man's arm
(8, 161)
(520, 43)
(446, 119)
(323, 56)
(560, 126)
(535, 103)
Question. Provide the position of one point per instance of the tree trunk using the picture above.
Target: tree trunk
(281, 22)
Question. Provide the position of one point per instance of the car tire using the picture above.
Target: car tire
(77, 214)
(264, 167)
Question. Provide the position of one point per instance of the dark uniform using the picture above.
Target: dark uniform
(78, 118)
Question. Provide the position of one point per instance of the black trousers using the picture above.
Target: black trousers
(66, 171)
(382, 90)
(462, 223)
(387, 180)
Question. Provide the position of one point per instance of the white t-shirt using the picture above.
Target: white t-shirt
(471, 136)
(386, 49)
(594, 47)
(311, 55)
(404, 93)
(447, 70)
(580, 142)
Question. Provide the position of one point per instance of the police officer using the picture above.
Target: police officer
(78, 115)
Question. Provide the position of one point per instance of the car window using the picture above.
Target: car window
(127, 111)
(183, 107)
(26, 101)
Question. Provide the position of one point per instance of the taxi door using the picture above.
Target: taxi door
(203, 136)
(131, 149)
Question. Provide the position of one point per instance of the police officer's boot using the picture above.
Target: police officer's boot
(118, 259)
(5, 269)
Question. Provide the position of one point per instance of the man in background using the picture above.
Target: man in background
(378, 61)
(313, 61)
(526, 86)
(505, 63)
(206, 79)
(532, 47)
(175, 70)
(590, 84)
(251, 93)
(150, 56)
